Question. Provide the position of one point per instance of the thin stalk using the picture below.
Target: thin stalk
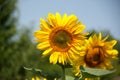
(63, 70)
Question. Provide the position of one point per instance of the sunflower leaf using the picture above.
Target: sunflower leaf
(43, 73)
(95, 72)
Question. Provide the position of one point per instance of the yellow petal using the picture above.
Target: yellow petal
(37, 78)
(65, 56)
(61, 58)
(58, 18)
(77, 53)
(78, 48)
(100, 36)
(44, 25)
(46, 52)
(52, 20)
(64, 19)
(42, 39)
(70, 19)
(54, 57)
(68, 57)
(77, 26)
(102, 66)
(33, 78)
(43, 45)
(44, 79)
(79, 29)
(95, 37)
(55, 79)
(72, 55)
(74, 50)
(105, 38)
(39, 34)
(112, 52)
(110, 44)
(108, 64)
(115, 57)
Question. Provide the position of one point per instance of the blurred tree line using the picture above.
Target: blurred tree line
(13, 54)
(16, 53)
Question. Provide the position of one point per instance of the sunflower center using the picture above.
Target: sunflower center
(60, 40)
(94, 57)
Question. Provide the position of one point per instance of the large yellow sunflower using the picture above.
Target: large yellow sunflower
(60, 37)
(97, 53)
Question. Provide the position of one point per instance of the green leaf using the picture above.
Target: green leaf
(43, 73)
(93, 73)
(68, 77)
(96, 72)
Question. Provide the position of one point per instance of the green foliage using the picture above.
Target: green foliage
(13, 54)
(47, 75)
(97, 74)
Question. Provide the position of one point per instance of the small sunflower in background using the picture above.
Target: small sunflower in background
(60, 37)
(38, 78)
(97, 78)
(97, 53)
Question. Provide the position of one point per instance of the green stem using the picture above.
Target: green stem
(63, 70)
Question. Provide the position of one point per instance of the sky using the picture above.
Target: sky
(94, 14)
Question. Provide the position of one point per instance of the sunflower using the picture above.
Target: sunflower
(60, 37)
(97, 53)
(35, 78)
(96, 78)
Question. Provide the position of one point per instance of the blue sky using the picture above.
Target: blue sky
(95, 14)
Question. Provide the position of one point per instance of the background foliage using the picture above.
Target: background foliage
(17, 49)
